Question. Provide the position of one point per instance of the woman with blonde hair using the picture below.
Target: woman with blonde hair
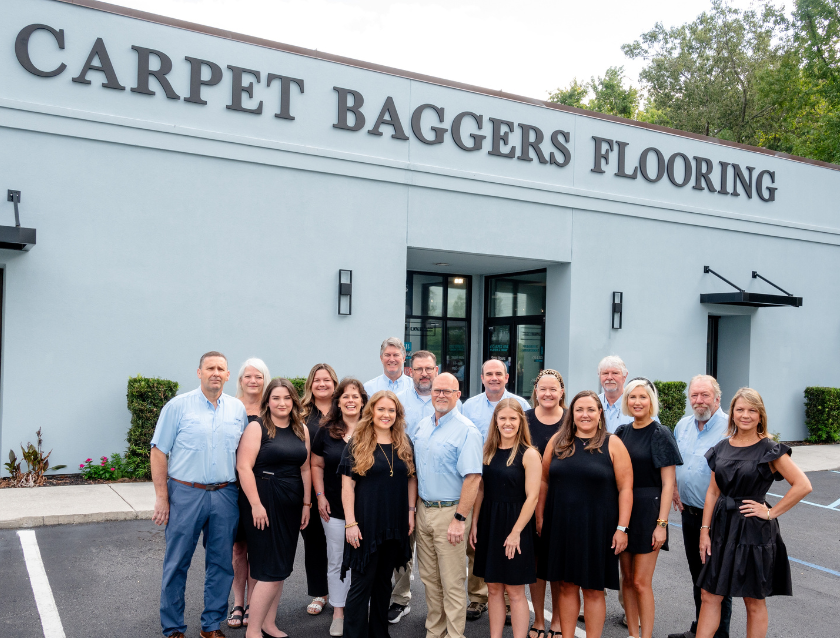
(741, 544)
(587, 486)
(379, 495)
(502, 529)
(253, 376)
(655, 455)
(273, 466)
(317, 397)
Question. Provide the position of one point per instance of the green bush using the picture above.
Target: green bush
(822, 414)
(298, 382)
(108, 469)
(672, 401)
(146, 397)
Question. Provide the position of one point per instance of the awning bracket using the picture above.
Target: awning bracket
(755, 275)
(706, 269)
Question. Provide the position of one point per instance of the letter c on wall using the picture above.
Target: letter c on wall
(22, 49)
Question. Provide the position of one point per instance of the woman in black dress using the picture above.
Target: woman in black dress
(655, 455)
(253, 376)
(327, 448)
(586, 496)
(544, 419)
(502, 532)
(379, 493)
(743, 553)
(273, 466)
(317, 396)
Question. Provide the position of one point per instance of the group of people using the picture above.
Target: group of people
(489, 495)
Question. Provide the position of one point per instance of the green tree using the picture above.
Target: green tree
(572, 95)
(610, 94)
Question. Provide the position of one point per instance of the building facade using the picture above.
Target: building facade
(190, 189)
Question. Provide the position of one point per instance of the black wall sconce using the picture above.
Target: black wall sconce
(617, 309)
(15, 237)
(345, 292)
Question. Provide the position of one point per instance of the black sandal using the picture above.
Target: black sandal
(552, 633)
(237, 615)
(245, 617)
(540, 632)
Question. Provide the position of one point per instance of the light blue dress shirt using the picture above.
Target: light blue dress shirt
(416, 409)
(613, 414)
(479, 410)
(201, 441)
(444, 454)
(694, 475)
(382, 382)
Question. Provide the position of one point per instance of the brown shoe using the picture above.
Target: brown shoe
(216, 633)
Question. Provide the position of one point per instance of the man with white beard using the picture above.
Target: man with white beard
(695, 434)
(612, 373)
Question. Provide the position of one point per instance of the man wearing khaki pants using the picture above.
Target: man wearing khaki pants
(448, 457)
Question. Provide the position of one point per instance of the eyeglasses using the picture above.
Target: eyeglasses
(425, 370)
(443, 393)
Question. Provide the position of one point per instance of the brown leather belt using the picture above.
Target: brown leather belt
(209, 488)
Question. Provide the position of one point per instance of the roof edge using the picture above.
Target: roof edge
(328, 57)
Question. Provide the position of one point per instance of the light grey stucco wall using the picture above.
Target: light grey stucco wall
(166, 229)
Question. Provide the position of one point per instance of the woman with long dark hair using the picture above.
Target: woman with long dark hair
(654, 455)
(544, 419)
(584, 508)
(741, 544)
(502, 533)
(317, 397)
(379, 494)
(338, 426)
(273, 466)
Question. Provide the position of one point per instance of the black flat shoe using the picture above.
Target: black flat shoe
(265, 634)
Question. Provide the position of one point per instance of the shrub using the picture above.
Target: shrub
(672, 401)
(822, 414)
(36, 464)
(146, 397)
(108, 469)
(298, 382)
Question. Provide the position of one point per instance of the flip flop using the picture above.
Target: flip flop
(540, 632)
(234, 620)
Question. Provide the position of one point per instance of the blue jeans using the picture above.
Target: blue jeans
(191, 512)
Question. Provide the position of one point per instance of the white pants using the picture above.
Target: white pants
(335, 533)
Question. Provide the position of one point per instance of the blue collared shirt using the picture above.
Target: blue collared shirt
(694, 475)
(201, 441)
(444, 454)
(613, 414)
(382, 382)
(479, 410)
(417, 409)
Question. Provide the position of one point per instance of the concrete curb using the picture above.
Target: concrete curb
(20, 508)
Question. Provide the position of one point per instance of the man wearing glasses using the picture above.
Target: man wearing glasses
(417, 403)
(448, 457)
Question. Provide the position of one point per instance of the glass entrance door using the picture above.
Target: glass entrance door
(514, 326)
(437, 318)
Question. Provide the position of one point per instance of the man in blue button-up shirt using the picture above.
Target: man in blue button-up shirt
(392, 356)
(448, 457)
(195, 490)
(695, 434)
(612, 373)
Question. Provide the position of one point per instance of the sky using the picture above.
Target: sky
(526, 47)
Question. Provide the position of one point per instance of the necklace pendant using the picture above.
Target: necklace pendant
(392, 472)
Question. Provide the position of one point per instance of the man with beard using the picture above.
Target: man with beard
(612, 373)
(696, 434)
(417, 403)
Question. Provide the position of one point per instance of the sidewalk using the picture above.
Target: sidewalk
(129, 501)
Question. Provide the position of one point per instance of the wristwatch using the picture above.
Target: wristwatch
(460, 517)
(412, 509)
(662, 522)
(622, 529)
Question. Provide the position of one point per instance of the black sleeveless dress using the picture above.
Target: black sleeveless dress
(541, 432)
(381, 508)
(271, 551)
(580, 517)
(241, 533)
(749, 558)
(504, 496)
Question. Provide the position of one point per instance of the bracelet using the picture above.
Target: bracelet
(351, 525)
(662, 522)
(768, 514)
(307, 504)
(317, 494)
(705, 527)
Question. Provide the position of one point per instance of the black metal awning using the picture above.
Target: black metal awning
(17, 238)
(752, 299)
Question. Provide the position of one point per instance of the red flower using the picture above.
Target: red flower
(88, 460)
(113, 468)
(81, 465)
(103, 463)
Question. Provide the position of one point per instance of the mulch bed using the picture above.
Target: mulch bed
(72, 479)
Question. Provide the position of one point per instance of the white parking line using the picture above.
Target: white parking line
(50, 620)
(833, 506)
(579, 633)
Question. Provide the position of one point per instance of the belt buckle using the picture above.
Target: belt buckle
(212, 488)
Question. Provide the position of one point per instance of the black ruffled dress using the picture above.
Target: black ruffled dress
(749, 558)
(504, 496)
(650, 448)
(381, 508)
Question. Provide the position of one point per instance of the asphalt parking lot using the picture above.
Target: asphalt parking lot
(105, 579)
